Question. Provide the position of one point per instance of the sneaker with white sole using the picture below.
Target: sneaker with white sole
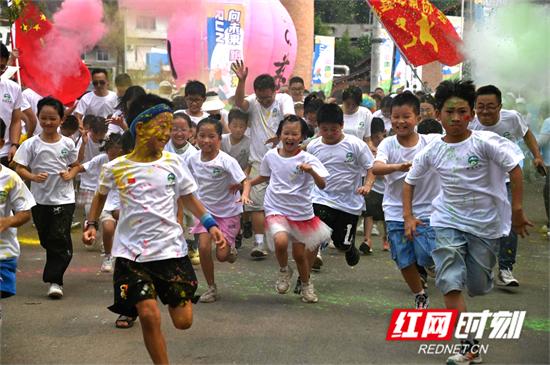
(107, 264)
(259, 251)
(308, 293)
(505, 278)
(375, 231)
(317, 262)
(232, 257)
(283, 281)
(421, 301)
(55, 291)
(465, 356)
(210, 295)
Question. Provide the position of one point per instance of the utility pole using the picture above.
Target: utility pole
(376, 42)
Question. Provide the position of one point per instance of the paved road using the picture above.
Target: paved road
(253, 324)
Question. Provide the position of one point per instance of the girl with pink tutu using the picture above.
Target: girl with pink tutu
(291, 173)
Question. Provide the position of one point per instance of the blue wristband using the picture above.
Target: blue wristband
(208, 221)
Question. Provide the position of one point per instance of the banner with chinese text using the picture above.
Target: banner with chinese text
(323, 64)
(225, 42)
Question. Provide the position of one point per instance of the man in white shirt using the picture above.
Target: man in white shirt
(10, 111)
(266, 109)
(101, 102)
(511, 125)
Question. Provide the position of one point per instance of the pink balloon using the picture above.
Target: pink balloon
(269, 46)
(270, 42)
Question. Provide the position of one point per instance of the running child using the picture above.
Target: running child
(111, 149)
(180, 145)
(347, 159)
(291, 173)
(14, 197)
(393, 160)
(237, 145)
(357, 118)
(150, 251)
(49, 162)
(373, 200)
(219, 178)
(471, 212)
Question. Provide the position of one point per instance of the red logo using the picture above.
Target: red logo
(131, 180)
(421, 324)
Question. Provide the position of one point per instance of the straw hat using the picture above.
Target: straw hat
(212, 103)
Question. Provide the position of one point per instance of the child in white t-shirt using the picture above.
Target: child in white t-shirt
(347, 159)
(14, 197)
(150, 250)
(195, 95)
(49, 162)
(219, 178)
(291, 173)
(471, 212)
(180, 145)
(393, 159)
(111, 149)
(357, 118)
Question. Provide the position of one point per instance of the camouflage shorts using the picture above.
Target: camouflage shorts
(172, 280)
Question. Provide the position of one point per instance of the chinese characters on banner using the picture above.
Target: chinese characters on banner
(323, 64)
(225, 41)
(422, 32)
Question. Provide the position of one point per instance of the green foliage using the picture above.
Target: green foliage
(342, 11)
(320, 28)
(348, 54)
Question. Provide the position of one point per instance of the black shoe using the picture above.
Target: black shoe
(238, 241)
(365, 248)
(247, 230)
(298, 287)
(352, 256)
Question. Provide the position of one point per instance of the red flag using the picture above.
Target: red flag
(422, 32)
(31, 29)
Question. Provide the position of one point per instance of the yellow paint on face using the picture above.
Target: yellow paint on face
(153, 135)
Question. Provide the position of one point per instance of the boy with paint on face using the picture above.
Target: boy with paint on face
(393, 159)
(151, 253)
(511, 125)
(471, 212)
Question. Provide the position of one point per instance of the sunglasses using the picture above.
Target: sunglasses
(99, 82)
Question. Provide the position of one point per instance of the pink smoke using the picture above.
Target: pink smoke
(77, 28)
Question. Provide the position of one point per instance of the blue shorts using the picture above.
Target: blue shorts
(464, 260)
(406, 253)
(8, 268)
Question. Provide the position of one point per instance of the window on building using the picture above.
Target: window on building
(146, 23)
(102, 55)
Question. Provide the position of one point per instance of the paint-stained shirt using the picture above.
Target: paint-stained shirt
(473, 196)
(148, 229)
(14, 197)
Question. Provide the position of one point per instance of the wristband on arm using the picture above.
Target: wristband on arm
(208, 221)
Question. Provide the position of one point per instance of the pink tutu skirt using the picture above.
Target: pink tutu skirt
(312, 232)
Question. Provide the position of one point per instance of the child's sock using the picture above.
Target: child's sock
(259, 239)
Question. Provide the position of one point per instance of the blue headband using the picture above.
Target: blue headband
(147, 115)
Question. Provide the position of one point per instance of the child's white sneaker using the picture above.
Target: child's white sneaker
(107, 264)
(283, 282)
(308, 293)
(210, 295)
(55, 291)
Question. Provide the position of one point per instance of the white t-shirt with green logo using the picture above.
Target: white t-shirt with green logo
(52, 158)
(346, 162)
(148, 229)
(214, 178)
(390, 151)
(358, 123)
(473, 195)
(289, 189)
(16, 197)
(10, 99)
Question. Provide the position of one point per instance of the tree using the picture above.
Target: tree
(320, 28)
(346, 53)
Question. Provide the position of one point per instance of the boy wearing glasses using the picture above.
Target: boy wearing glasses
(195, 95)
(10, 111)
(266, 108)
(509, 124)
(101, 102)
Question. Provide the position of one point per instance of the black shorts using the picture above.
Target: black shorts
(343, 225)
(373, 203)
(172, 280)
